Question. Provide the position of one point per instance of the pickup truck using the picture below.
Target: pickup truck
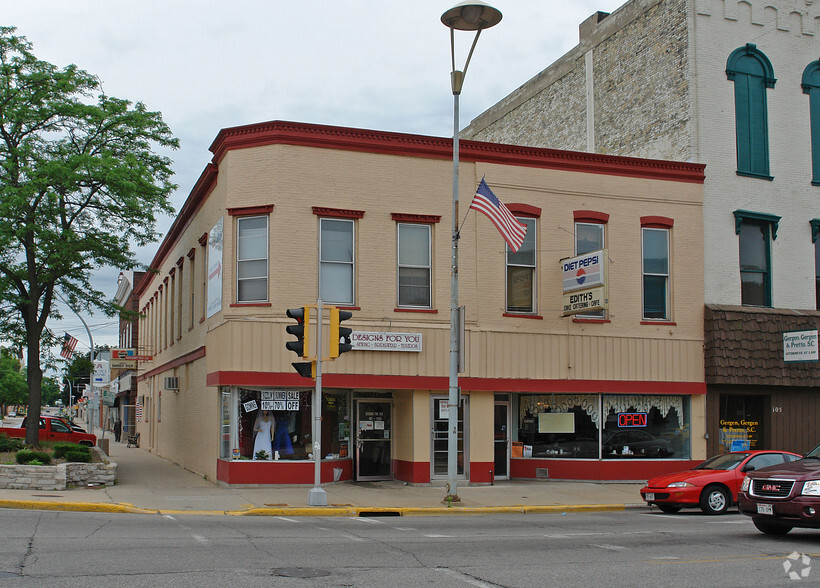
(781, 497)
(52, 429)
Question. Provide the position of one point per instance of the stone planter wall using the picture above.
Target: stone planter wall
(58, 477)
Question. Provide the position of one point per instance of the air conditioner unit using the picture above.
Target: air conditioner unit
(171, 383)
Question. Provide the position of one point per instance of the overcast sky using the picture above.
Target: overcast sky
(207, 65)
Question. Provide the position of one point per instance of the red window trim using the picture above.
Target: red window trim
(590, 216)
(591, 320)
(250, 210)
(347, 307)
(245, 304)
(521, 209)
(657, 222)
(423, 310)
(415, 218)
(337, 212)
(526, 316)
(661, 323)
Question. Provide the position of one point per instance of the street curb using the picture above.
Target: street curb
(317, 511)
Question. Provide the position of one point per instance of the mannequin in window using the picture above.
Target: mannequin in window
(281, 436)
(262, 429)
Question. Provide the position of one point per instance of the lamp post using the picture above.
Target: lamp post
(464, 16)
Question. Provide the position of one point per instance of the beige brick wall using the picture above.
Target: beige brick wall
(295, 178)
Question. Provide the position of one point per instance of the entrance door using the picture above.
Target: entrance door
(374, 431)
(441, 423)
(743, 421)
(502, 441)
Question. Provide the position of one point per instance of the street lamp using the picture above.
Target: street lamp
(464, 16)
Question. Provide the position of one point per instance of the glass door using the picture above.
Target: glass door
(501, 443)
(440, 421)
(374, 431)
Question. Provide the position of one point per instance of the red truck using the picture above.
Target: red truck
(52, 429)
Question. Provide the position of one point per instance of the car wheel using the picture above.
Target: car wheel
(770, 528)
(714, 500)
(669, 509)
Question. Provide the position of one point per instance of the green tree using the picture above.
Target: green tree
(80, 186)
(49, 391)
(13, 389)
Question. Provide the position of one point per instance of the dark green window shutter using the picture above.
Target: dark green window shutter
(811, 86)
(752, 73)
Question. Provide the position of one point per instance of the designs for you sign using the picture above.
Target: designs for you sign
(380, 341)
(800, 346)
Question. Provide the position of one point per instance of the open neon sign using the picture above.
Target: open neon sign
(632, 419)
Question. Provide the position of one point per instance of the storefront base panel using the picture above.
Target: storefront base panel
(611, 471)
(481, 472)
(280, 472)
(412, 472)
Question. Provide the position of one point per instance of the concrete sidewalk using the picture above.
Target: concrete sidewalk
(151, 484)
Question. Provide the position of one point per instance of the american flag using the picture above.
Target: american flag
(487, 203)
(69, 343)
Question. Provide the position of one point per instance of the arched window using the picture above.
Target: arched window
(811, 86)
(752, 73)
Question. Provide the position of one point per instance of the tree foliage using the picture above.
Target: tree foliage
(80, 186)
(13, 388)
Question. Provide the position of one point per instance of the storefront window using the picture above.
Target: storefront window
(277, 425)
(635, 426)
(646, 427)
(559, 425)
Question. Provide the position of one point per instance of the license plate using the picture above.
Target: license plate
(650, 496)
(765, 509)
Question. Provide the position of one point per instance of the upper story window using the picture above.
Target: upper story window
(252, 259)
(755, 231)
(414, 265)
(655, 267)
(336, 260)
(521, 267)
(590, 236)
(811, 86)
(752, 73)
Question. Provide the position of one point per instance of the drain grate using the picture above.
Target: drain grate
(379, 513)
(300, 573)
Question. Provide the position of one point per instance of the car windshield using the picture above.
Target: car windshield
(728, 461)
(814, 453)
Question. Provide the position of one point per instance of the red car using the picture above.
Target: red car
(713, 485)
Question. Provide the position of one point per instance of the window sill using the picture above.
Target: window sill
(526, 316)
(342, 307)
(250, 304)
(422, 310)
(746, 174)
(591, 320)
(664, 323)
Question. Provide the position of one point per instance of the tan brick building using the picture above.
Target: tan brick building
(289, 211)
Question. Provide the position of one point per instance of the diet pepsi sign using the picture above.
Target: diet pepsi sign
(584, 271)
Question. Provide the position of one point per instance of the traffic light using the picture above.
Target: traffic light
(339, 336)
(306, 369)
(301, 329)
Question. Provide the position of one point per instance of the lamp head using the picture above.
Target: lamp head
(471, 15)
